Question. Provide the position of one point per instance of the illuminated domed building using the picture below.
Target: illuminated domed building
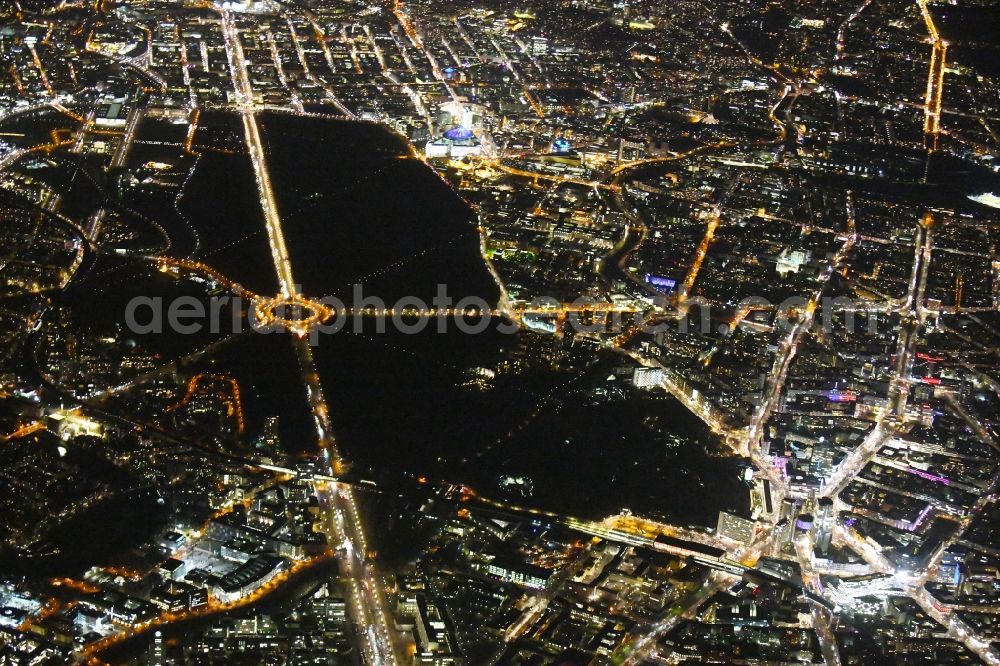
(562, 146)
(456, 143)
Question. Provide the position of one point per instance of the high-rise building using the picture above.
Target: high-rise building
(271, 438)
(647, 377)
(157, 653)
(824, 524)
(735, 528)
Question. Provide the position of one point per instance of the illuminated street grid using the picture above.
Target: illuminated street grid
(759, 183)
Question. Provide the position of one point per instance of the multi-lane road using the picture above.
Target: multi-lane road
(342, 522)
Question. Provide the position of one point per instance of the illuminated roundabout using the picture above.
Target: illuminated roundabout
(296, 313)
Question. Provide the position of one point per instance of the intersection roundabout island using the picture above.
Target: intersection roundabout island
(295, 313)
